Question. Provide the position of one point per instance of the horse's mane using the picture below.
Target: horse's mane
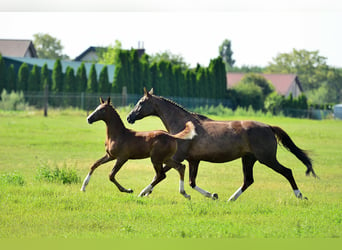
(195, 115)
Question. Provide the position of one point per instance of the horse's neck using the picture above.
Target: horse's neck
(172, 116)
(115, 126)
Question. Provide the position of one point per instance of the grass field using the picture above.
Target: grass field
(32, 208)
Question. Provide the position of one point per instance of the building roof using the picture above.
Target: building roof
(73, 64)
(90, 49)
(281, 82)
(17, 48)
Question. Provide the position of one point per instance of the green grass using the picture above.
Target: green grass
(32, 208)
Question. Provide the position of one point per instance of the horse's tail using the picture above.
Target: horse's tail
(287, 142)
(187, 133)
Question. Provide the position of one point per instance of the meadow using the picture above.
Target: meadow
(35, 208)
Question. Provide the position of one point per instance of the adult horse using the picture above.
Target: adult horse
(222, 141)
(123, 144)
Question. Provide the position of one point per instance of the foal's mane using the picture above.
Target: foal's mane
(195, 115)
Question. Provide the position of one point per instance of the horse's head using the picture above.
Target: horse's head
(100, 112)
(143, 108)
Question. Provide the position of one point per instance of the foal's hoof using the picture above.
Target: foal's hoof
(129, 191)
(214, 196)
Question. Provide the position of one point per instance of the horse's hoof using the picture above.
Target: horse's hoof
(129, 191)
(214, 196)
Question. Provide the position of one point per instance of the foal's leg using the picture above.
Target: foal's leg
(160, 175)
(193, 169)
(119, 163)
(181, 170)
(101, 161)
(247, 167)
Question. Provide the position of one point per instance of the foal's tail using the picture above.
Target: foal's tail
(187, 133)
(287, 142)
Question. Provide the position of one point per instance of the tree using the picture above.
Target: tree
(225, 51)
(110, 55)
(11, 78)
(81, 78)
(48, 47)
(92, 85)
(308, 65)
(104, 86)
(34, 79)
(69, 80)
(57, 77)
(45, 79)
(3, 78)
(23, 76)
(168, 56)
(249, 95)
(266, 87)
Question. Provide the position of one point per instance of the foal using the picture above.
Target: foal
(123, 144)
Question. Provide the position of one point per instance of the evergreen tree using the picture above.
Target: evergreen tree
(34, 81)
(104, 86)
(154, 77)
(23, 76)
(3, 77)
(57, 77)
(11, 78)
(92, 86)
(45, 77)
(81, 78)
(69, 80)
(146, 74)
(136, 72)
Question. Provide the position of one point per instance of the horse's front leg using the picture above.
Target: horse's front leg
(193, 169)
(99, 162)
(119, 163)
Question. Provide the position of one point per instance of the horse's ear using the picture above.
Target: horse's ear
(101, 100)
(108, 100)
(151, 91)
(145, 91)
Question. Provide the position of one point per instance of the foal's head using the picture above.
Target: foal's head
(100, 112)
(143, 108)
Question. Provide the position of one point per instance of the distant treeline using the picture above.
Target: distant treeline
(131, 71)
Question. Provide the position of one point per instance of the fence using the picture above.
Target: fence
(86, 101)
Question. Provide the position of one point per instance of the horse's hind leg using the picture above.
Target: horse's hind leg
(101, 161)
(119, 163)
(287, 173)
(247, 167)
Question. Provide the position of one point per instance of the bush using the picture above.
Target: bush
(12, 179)
(12, 101)
(57, 175)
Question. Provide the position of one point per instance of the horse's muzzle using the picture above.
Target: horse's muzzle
(131, 118)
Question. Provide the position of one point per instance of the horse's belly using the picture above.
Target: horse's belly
(216, 155)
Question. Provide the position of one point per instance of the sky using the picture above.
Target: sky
(194, 29)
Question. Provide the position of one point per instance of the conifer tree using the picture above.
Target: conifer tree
(57, 77)
(11, 78)
(23, 76)
(69, 80)
(45, 78)
(104, 86)
(34, 79)
(3, 78)
(81, 78)
(92, 86)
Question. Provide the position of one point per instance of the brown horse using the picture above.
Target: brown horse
(123, 144)
(222, 141)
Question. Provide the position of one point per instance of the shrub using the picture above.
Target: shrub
(12, 179)
(12, 101)
(57, 175)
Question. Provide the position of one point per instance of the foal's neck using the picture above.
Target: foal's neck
(115, 126)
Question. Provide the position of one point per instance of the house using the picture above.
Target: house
(284, 84)
(17, 48)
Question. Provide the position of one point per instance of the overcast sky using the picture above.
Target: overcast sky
(259, 30)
